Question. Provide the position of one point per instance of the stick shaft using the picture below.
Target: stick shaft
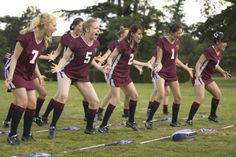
(230, 126)
(153, 140)
(90, 147)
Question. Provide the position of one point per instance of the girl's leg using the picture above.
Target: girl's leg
(40, 100)
(115, 98)
(21, 98)
(174, 86)
(216, 93)
(88, 92)
(131, 91)
(29, 115)
(58, 103)
(165, 100)
(160, 91)
(199, 97)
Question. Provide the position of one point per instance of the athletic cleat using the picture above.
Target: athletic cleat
(132, 125)
(99, 116)
(28, 138)
(174, 124)
(148, 124)
(103, 129)
(189, 122)
(38, 121)
(6, 124)
(148, 112)
(213, 118)
(44, 120)
(13, 140)
(52, 132)
(90, 131)
(125, 115)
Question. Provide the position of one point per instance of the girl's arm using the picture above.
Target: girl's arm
(53, 55)
(199, 63)
(39, 76)
(226, 74)
(58, 67)
(17, 52)
(158, 65)
(185, 67)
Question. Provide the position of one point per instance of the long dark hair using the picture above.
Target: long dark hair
(133, 29)
(174, 27)
(75, 22)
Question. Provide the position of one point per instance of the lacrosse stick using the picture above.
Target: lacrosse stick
(176, 136)
(102, 145)
(69, 128)
(4, 132)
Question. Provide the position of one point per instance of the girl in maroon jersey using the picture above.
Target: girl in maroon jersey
(165, 72)
(105, 101)
(76, 72)
(29, 46)
(206, 65)
(40, 88)
(118, 77)
(74, 32)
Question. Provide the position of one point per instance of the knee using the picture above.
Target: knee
(42, 95)
(218, 95)
(62, 97)
(199, 99)
(115, 101)
(160, 96)
(94, 103)
(177, 99)
(134, 96)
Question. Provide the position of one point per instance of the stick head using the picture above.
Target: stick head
(185, 134)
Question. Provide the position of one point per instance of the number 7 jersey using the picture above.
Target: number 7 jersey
(26, 63)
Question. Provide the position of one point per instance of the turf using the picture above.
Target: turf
(215, 144)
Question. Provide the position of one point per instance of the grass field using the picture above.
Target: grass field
(216, 144)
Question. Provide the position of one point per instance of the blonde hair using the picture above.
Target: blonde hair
(38, 23)
(122, 30)
(88, 24)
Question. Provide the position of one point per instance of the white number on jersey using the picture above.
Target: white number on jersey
(172, 54)
(88, 57)
(35, 53)
(131, 59)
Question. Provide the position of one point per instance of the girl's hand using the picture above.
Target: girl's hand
(157, 67)
(7, 55)
(226, 74)
(51, 57)
(8, 81)
(190, 70)
(140, 69)
(106, 68)
(55, 68)
(100, 58)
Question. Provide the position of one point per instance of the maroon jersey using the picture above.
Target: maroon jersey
(212, 60)
(121, 65)
(170, 53)
(26, 63)
(154, 54)
(112, 45)
(78, 67)
(209, 66)
(65, 40)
